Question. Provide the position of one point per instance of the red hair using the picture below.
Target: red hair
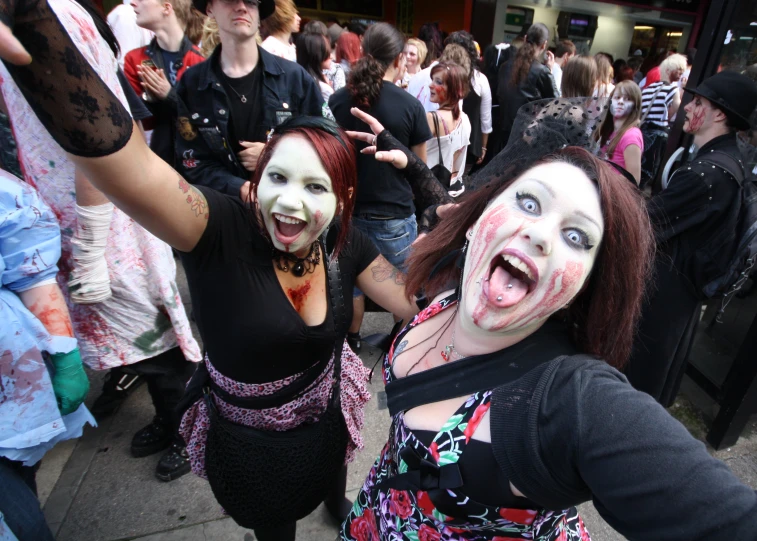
(455, 81)
(338, 158)
(348, 47)
(606, 311)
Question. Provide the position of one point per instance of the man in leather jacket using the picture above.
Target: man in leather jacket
(696, 220)
(231, 102)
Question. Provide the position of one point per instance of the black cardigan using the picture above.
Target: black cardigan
(573, 429)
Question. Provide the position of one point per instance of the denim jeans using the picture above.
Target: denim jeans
(19, 506)
(392, 237)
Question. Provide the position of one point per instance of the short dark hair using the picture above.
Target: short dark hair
(312, 51)
(635, 62)
(565, 46)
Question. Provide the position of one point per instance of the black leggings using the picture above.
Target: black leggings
(285, 532)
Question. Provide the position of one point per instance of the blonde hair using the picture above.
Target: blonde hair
(604, 69)
(281, 19)
(421, 48)
(210, 37)
(673, 62)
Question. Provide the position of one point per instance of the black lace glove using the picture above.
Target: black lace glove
(426, 188)
(78, 109)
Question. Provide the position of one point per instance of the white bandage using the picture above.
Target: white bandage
(89, 282)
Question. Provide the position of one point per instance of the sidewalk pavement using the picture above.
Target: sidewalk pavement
(93, 490)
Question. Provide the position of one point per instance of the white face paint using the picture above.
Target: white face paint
(295, 196)
(620, 107)
(532, 249)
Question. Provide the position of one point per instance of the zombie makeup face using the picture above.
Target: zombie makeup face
(295, 196)
(699, 112)
(531, 250)
(411, 55)
(621, 106)
(437, 89)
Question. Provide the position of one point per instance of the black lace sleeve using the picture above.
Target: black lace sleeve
(428, 191)
(78, 109)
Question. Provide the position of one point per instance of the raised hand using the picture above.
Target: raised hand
(395, 155)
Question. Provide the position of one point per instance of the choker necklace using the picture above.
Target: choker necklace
(299, 266)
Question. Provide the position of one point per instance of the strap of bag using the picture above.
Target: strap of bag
(438, 140)
(316, 372)
(651, 104)
(727, 162)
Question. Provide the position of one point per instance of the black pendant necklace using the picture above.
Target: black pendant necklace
(299, 267)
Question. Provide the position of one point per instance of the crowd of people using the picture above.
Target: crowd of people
(506, 206)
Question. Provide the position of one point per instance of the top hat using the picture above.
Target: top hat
(265, 7)
(733, 93)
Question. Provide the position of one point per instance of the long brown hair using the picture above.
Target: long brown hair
(630, 90)
(605, 313)
(455, 80)
(579, 76)
(382, 43)
(536, 36)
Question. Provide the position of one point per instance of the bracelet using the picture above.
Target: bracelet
(483, 148)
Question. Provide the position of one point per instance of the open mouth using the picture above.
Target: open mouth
(512, 276)
(288, 228)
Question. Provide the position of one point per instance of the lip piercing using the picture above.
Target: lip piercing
(509, 286)
(499, 298)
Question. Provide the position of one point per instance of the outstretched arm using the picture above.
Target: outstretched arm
(385, 285)
(86, 118)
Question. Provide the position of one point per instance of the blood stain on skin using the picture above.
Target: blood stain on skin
(55, 320)
(697, 119)
(298, 295)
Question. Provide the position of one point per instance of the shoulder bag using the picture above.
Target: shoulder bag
(441, 173)
(265, 478)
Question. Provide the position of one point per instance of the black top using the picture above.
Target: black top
(136, 105)
(250, 330)
(538, 84)
(382, 189)
(574, 429)
(244, 118)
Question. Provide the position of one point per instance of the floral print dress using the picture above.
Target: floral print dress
(397, 499)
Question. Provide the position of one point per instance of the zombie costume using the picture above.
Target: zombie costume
(145, 316)
(545, 405)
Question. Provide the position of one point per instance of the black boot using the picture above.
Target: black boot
(355, 341)
(116, 389)
(337, 504)
(285, 532)
(153, 438)
(174, 463)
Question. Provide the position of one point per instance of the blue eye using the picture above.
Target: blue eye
(528, 203)
(578, 237)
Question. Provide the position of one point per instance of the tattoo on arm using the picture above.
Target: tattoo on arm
(195, 199)
(383, 271)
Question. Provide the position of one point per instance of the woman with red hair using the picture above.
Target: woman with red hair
(348, 50)
(449, 126)
(507, 401)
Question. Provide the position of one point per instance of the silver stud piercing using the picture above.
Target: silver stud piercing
(499, 298)
(509, 286)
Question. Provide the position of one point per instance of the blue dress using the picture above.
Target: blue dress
(30, 421)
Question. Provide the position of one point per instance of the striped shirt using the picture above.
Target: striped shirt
(659, 112)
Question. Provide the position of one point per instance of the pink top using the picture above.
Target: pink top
(631, 137)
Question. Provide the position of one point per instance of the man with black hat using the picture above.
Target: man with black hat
(232, 101)
(696, 221)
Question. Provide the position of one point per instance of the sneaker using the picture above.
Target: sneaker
(173, 464)
(355, 341)
(116, 389)
(153, 438)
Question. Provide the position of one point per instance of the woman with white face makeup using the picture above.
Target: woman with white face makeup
(620, 137)
(501, 423)
(270, 280)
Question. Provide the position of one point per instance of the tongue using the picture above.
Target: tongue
(291, 230)
(498, 283)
